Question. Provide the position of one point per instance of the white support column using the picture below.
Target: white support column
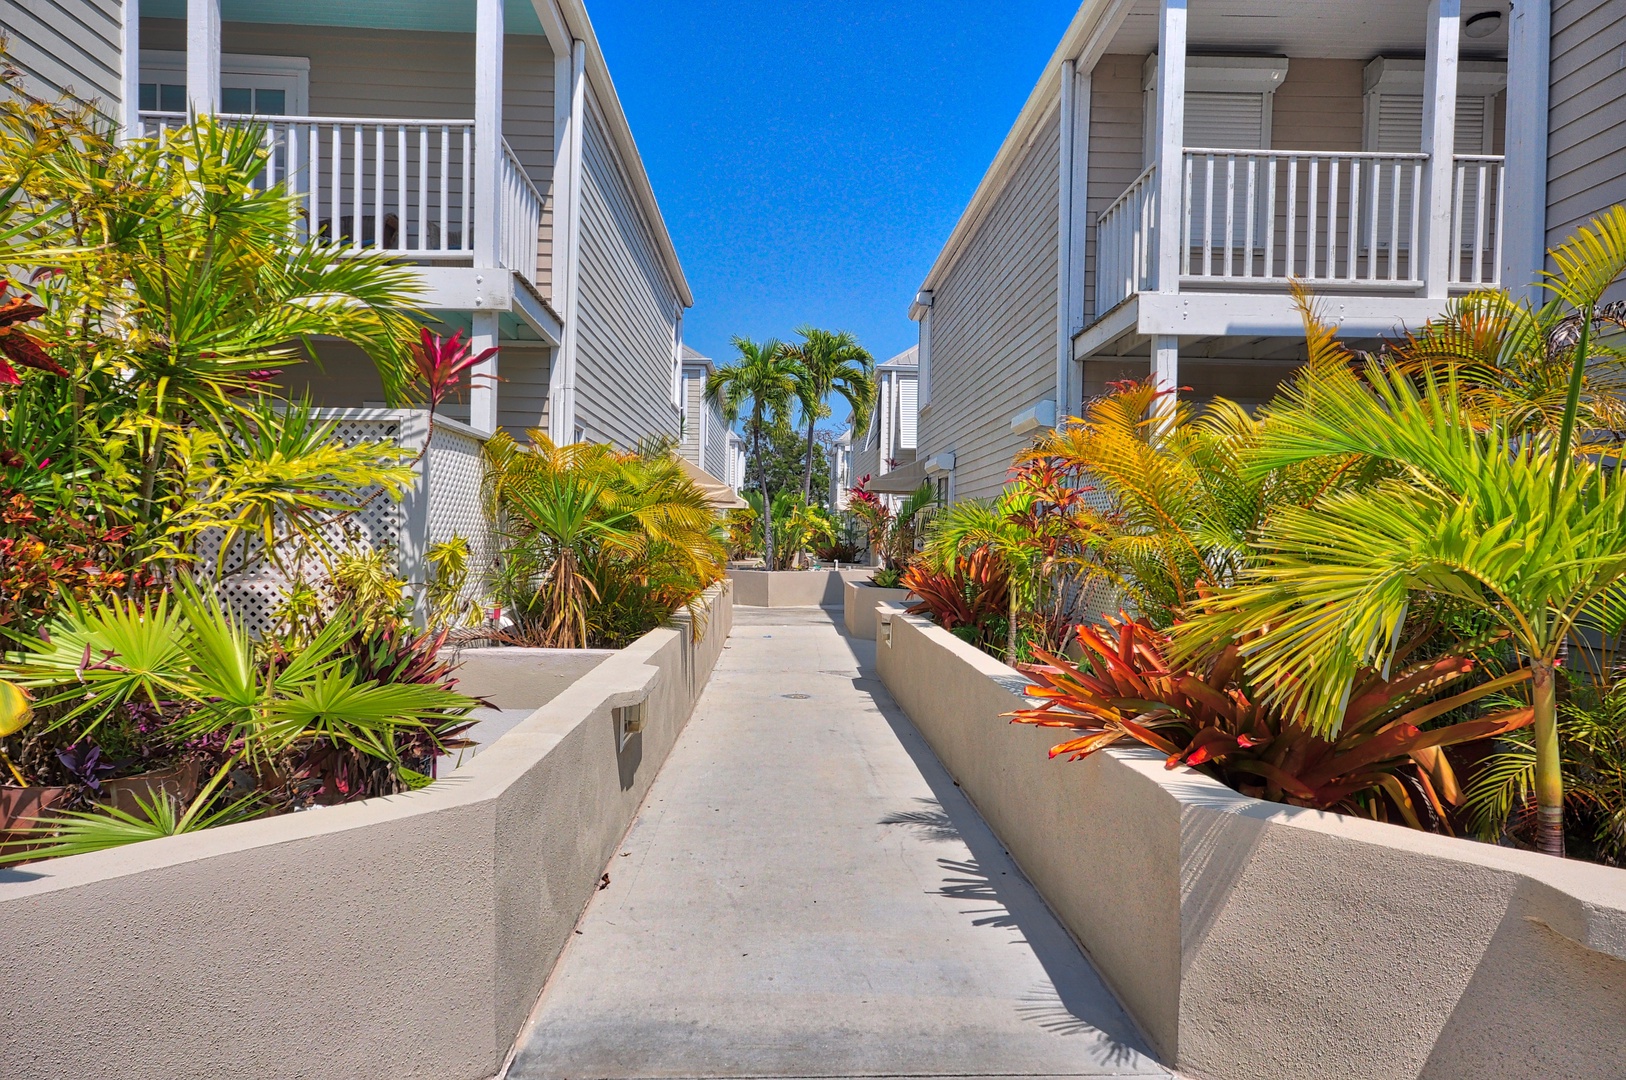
(202, 56)
(488, 145)
(923, 359)
(677, 356)
(130, 75)
(1082, 79)
(1524, 241)
(571, 90)
(1166, 369)
(1064, 242)
(1171, 127)
(1439, 141)
(483, 383)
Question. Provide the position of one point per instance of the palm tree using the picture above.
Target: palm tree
(764, 380)
(1473, 511)
(832, 363)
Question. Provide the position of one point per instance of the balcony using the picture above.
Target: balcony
(403, 187)
(1262, 219)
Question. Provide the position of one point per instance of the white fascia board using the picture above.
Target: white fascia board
(535, 313)
(1275, 315)
(1120, 320)
(1094, 18)
(598, 76)
(461, 288)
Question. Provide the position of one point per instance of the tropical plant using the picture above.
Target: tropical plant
(892, 533)
(1531, 535)
(831, 363)
(1380, 763)
(971, 599)
(594, 540)
(795, 527)
(762, 383)
(1033, 530)
(1501, 799)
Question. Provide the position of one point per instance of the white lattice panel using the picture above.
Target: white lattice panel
(456, 473)
(452, 467)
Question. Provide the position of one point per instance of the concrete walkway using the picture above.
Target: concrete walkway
(807, 894)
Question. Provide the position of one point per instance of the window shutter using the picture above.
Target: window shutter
(907, 398)
(1226, 121)
(1400, 124)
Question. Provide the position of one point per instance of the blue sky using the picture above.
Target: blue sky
(811, 158)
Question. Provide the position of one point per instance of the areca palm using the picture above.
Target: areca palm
(1476, 511)
(764, 381)
(831, 363)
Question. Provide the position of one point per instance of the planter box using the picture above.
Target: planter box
(860, 602)
(395, 937)
(518, 678)
(1251, 939)
(792, 588)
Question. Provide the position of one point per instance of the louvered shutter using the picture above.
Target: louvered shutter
(1225, 121)
(907, 409)
(1399, 130)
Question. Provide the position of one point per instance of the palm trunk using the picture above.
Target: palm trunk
(807, 468)
(1549, 767)
(762, 475)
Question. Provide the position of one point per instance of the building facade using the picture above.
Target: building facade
(705, 428)
(1180, 163)
(482, 143)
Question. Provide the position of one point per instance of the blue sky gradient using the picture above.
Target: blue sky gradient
(811, 158)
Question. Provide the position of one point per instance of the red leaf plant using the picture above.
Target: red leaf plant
(441, 363)
(972, 602)
(17, 346)
(1381, 763)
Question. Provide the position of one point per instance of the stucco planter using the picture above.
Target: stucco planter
(1251, 939)
(791, 588)
(860, 601)
(494, 862)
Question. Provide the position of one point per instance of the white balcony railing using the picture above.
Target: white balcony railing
(1268, 216)
(1476, 220)
(521, 217)
(1126, 244)
(405, 187)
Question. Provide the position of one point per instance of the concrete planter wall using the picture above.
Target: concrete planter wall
(861, 601)
(792, 588)
(1259, 941)
(400, 937)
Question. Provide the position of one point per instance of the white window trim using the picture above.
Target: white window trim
(291, 73)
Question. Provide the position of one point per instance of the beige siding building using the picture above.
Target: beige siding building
(482, 143)
(1179, 164)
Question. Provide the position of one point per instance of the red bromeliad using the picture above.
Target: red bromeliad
(1209, 717)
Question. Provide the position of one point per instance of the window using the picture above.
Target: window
(1227, 107)
(264, 85)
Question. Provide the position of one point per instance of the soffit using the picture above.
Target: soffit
(519, 16)
(1336, 29)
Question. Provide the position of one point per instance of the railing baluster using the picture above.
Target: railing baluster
(1394, 223)
(1270, 218)
(445, 181)
(1230, 213)
(316, 180)
(1292, 212)
(1208, 216)
(1310, 224)
(378, 187)
(336, 199)
(358, 168)
(423, 193)
(466, 226)
(1253, 197)
(1501, 184)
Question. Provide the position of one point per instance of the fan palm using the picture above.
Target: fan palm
(831, 363)
(765, 380)
(1475, 511)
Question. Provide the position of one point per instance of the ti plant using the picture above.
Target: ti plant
(1210, 716)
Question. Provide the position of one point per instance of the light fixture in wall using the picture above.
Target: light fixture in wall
(1483, 25)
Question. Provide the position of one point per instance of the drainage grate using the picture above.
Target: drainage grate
(797, 697)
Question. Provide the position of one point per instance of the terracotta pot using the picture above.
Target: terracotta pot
(18, 807)
(180, 782)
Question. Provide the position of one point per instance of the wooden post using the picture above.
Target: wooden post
(1171, 126)
(130, 75)
(489, 163)
(202, 56)
(1439, 142)
(1524, 244)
